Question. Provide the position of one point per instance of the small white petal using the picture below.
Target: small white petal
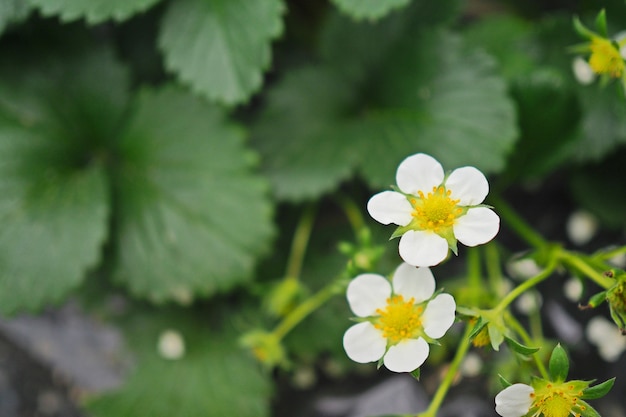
(368, 292)
(406, 356)
(419, 172)
(390, 207)
(363, 343)
(582, 71)
(469, 185)
(479, 225)
(439, 315)
(514, 401)
(422, 248)
(411, 281)
(606, 336)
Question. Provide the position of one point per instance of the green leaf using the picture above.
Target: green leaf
(93, 11)
(215, 377)
(519, 348)
(192, 217)
(547, 132)
(55, 123)
(603, 125)
(506, 38)
(220, 47)
(496, 337)
(558, 364)
(599, 390)
(298, 137)
(369, 9)
(423, 104)
(317, 127)
(13, 11)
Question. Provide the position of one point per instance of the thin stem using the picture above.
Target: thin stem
(308, 306)
(579, 264)
(605, 256)
(526, 285)
(443, 388)
(518, 224)
(353, 213)
(300, 242)
(492, 261)
(473, 268)
(521, 331)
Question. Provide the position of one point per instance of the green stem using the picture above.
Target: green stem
(528, 341)
(605, 256)
(473, 268)
(526, 285)
(300, 242)
(353, 213)
(492, 261)
(308, 306)
(443, 388)
(518, 224)
(579, 264)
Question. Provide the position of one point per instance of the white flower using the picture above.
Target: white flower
(515, 400)
(399, 320)
(434, 210)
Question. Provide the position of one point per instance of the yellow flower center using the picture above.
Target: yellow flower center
(436, 210)
(557, 400)
(400, 320)
(605, 58)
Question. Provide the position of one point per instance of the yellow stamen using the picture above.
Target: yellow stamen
(400, 319)
(605, 58)
(436, 210)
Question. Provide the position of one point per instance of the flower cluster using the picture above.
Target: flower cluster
(606, 57)
(397, 320)
(434, 209)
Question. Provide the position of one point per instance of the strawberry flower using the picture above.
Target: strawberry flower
(397, 320)
(434, 210)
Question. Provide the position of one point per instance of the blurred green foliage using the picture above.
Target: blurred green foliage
(163, 148)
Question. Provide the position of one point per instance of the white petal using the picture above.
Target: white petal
(390, 207)
(411, 281)
(363, 343)
(479, 225)
(406, 356)
(468, 185)
(422, 248)
(439, 315)
(368, 292)
(419, 172)
(514, 401)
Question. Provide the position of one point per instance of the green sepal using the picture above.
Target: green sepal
(589, 411)
(601, 23)
(618, 318)
(559, 364)
(503, 381)
(596, 300)
(598, 391)
(582, 29)
(416, 374)
(496, 337)
(519, 348)
(466, 311)
(480, 324)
